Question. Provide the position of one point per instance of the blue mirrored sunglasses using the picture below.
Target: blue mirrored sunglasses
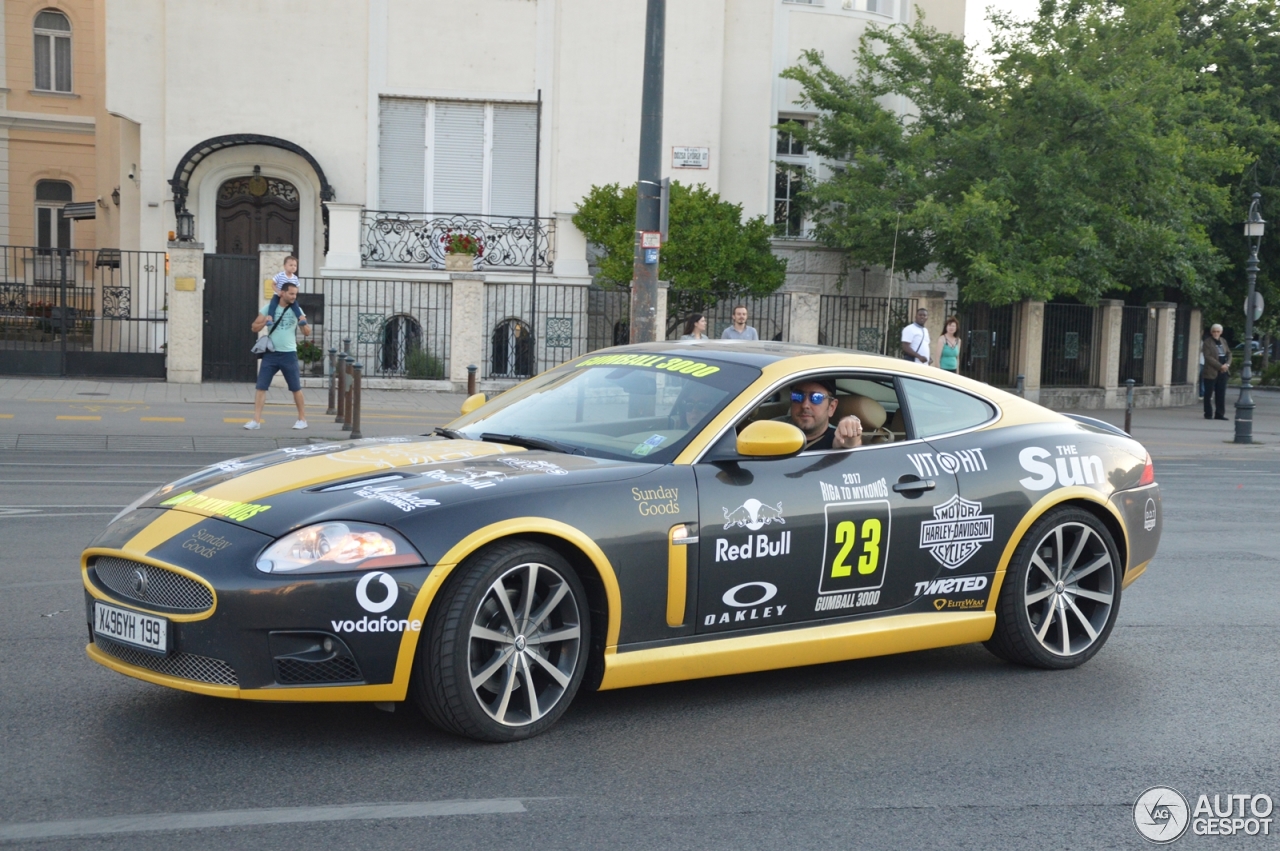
(815, 397)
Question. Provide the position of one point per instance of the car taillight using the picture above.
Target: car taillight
(1148, 473)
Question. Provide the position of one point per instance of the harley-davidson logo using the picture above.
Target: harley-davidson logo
(957, 531)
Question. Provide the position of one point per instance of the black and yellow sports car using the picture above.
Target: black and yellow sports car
(639, 515)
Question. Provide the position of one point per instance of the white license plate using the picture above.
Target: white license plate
(145, 631)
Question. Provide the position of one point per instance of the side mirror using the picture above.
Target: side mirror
(473, 402)
(770, 439)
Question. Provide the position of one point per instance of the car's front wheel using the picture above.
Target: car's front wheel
(1061, 594)
(505, 645)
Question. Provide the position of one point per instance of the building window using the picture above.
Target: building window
(53, 52)
(53, 229)
(454, 157)
(788, 180)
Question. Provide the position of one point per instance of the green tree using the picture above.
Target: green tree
(1087, 159)
(711, 253)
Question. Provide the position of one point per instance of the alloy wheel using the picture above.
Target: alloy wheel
(1069, 589)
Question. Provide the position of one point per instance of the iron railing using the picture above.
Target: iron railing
(1135, 340)
(391, 238)
(770, 315)
(103, 301)
(1182, 343)
(608, 317)
(986, 348)
(864, 323)
(396, 329)
(525, 338)
(1069, 350)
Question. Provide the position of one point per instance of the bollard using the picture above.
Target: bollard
(339, 362)
(346, 345)
(471, 380)
(346, 401)
(1018, 389)
(333, 357)
(1128, 406)
(357, 370)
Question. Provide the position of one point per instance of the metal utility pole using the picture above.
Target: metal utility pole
(1253, 228)
(644, 279)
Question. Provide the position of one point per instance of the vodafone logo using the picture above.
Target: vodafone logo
(389, 595)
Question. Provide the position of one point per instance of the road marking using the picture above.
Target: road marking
(163, 419)
(248, 818)
(233, 420)
(72, 417)
(6, 416)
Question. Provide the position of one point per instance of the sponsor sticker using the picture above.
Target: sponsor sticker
(312, 449)
(395, 495)
(533, 465)
(1069, 468)
(851, 600)
(1149, 515)
(943, 603)
(752, 514)
(957, 532)
(390, 592)
(381, 586)
(682, 366)
(748, 601)
(878, 489)
(855, 547)
(652, 501)
(205, 544)
(468, 476)
(237, 511)
(951, 585)
(756, 546)
(959, 461)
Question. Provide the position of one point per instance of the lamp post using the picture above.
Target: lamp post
(1253, 227)
(186, 222)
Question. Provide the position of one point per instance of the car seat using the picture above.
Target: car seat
(870, 412)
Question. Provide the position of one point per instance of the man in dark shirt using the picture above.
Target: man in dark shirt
(812, 404)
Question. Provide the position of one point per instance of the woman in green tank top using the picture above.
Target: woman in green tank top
(949, 346)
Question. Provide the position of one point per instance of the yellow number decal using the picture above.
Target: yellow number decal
(870, 546)
(847, 534)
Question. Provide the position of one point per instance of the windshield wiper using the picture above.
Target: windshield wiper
(532, 443)
(452, 434)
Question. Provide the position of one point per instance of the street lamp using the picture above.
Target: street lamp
(186, 226)
(1253, 227)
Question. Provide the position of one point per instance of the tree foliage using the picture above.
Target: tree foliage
(1091, 157)
(711, 253)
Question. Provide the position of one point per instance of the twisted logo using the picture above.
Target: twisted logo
(1160, 814)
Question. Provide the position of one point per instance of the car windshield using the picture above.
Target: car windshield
(637, 407)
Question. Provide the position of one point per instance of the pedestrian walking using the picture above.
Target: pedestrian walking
(695, 328)
(283, 357)
(739, 330)
(949, 346)
(1217, 366)
(915, 339)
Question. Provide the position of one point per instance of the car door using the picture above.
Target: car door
(815, 536)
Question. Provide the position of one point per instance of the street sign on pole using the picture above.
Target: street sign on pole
(1258, 305)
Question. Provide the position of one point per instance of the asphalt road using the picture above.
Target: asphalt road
(949, 748)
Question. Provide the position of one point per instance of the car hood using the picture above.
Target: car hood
(382, 481)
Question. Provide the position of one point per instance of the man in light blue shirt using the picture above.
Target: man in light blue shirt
(739, 330)
(284, 339)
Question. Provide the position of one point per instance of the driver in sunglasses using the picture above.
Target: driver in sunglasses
(812, 404)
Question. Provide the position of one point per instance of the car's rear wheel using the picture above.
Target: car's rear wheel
(505, 645)
(1061, 594)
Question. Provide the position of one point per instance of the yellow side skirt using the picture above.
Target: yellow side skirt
(812, 646)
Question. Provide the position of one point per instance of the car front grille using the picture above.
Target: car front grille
(187, 666)
(152, 586)
(340, 669)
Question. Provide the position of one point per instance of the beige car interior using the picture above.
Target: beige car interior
(879, 425)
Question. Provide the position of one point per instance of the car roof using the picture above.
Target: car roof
(757, 353)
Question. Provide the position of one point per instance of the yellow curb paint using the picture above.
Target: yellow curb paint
(163, 419)
(70, 417)
(233, 420)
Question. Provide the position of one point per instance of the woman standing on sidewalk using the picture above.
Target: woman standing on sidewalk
(949, 348)
(695, 328)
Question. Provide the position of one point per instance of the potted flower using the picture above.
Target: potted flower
(312, 355)
(461, 250)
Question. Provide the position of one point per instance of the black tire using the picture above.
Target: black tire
(535, 644)
(1061, 593)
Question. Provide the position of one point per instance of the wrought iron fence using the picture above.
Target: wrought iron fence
(525, 337)
(986, 348)
(82, 303)
(770, 315)
(1181, 343)
(396, 329)
(864, 323)
(416, 239)
(608, 317)
(1069, 351)
(1135, 339)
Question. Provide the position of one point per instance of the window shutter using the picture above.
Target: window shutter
(458, 165)
(401, 154)
(515, 129)
(44, 76)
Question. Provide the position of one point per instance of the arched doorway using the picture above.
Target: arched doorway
(401, 340)
(255, 210)
(512, 350)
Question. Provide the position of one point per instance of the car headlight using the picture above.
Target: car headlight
(333, 547)
(134, 505)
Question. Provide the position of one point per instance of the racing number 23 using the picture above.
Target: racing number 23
(856, 546)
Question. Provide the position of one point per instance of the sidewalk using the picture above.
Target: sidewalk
(140, 416)
(135, 416)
